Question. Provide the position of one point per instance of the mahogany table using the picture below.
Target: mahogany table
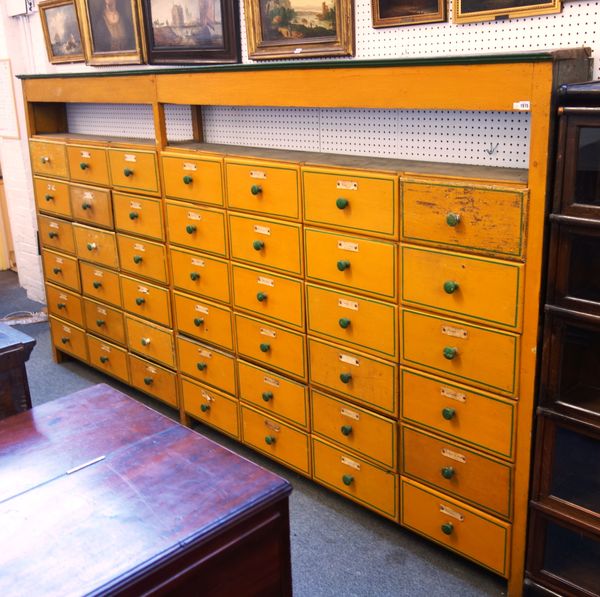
(101, 495)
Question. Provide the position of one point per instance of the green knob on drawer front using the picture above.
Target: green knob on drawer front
(256, 189)
(453, 219)
(447, 472)
(187, 180)
(103, 359)
(258, 245)
(53, 234)
(194, 276)
(48, 197)
(44, 159)
(270, 440)
(190, 228)
(128, 172)
(137, 259)
(198, 321)
(343, 264)
(85, 205)
(56, 270)
(100, 322)
(61, 305)
(84, 166)
(148, 381)
(346, 430)
(140, 301)
(450, 352)
(205, 407)
(261, 296)
(344, 322)
(447, 528)
(201, 366)
(345, 377)
(91, 246)
(341, 203)
(96, 284)
(65, 340)
(347, 479)
(134, 215)
(145, 341)
(450, 286)
(266, 396)
(448, 413)
(265, 347)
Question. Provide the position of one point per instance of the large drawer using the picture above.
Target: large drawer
(365, 324)
(143, 258)
(49, 158)
(68, 338)
(91, 205)
(480, 356)
(153, 380)
(193, 178)
(105, 321)
(140, 216)
(476, 288)
(274, 394)
(108, 357)
(474, 534)
(146, 300)
(88, 164)
(352, 200)
(61, 269)
(479, 219)
(151, 341)
(355, 478)
(101, 284)
(268, 188)
(467, 475)
(65, 304)
(97, 246)
(56, 234)
(355, 263)
(276, 439)
(134, 170)
(52, 196)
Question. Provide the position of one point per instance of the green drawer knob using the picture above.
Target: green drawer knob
(145, 341)
(137, 259)
(84, 166)
(187, 179)
(103, 359)
(270, 440)
(96, 284)
(265, 347)
(447, 472)
(190, 228)
(194, 276)
(85, 205)
(261, 296)
(448, 413)
(48, 197)
(53, 234)
(100, 322)
(341, 203)
(148, 381)
(139, 301)
(205, 407)
(258, 245)
(266, 396)
(450, 352)
(92, 246)
(343, 265)
(65, 340)
(56, 270)
(201, 366)
(450, 287)
(447, 528)
(134, 215)
(61, 305)
(346, 430)
(198, 321)
(347, 479)
(344, 322)
(453, 219)
(128, 172)
(345, 377)
(256, 189)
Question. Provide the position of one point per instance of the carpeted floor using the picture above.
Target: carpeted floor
(338, 548)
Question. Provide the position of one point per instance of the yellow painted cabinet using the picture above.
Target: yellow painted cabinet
(134, 170)
(192, 178)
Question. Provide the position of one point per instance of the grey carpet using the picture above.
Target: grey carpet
(338, 548)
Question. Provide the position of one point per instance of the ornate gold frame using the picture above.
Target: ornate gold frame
(437, 16)
(528, 10)
(43, 6)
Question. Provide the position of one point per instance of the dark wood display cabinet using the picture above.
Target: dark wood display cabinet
(563, 555)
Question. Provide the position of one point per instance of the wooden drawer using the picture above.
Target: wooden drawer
(369, 381)
(353, 200)
(134, 170)
(210, 407)
(198, 228)
(483, 357)
(146, 300)
(204, 363)
(271, 345)
(204, 320)
(364, 323)
(68, 338)
(475, 288)
(200, 274)
(143, 258)
(268, 188)
(353, 428)
(481, 420)
(268, 295)
(102, 284)
(267, 243)
(276, 439)
(109, 358)
(65, 304)
(355, 263)
(475, 478)
(97, 246)
(141, 216)
(193, 179)
(353, 477)
(49, 158)
(61, 269)
(154, 380)
(105, 321)
(56, 234)
(91, 205)
(151, 341)
(88, 164)
(52, 196)
(277, 395)
(477, 219)
(460, 528)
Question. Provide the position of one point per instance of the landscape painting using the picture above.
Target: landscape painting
(467, 11)
(391, 13)
(61, 31)
(297, 19)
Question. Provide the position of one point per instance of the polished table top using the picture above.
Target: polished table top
(95, 485)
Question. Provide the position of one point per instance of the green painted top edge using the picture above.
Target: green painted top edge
(314, 65)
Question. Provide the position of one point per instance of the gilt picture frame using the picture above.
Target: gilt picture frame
(470, 11)
(394, 13)
(62, 33)
(299, 28)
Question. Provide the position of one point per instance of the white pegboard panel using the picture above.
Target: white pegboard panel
(178, 119)
(115, 120)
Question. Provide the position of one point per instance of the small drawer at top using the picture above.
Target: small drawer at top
(143, 258)
(56, 234)
(193, 178)
(88, 164)
(49, 158)
(268, 188)
(134, 170)
(52, 196)
(91, 205)
(138, 215)
(97, 246)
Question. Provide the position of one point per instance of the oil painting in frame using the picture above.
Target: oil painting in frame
(191, 31)
(392, 13)
(111, 32)
(299, 28)
(61, 31)
(469, 11)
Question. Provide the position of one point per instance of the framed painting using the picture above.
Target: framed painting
(191, 31)
(299, 28)
(392, 13)
(61, 31)
(469, 11)
(111, 32)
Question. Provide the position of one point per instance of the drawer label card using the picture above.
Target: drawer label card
(139, 247)
(351, 463)
(206, 396)
(270, 381)
(86, 154)
(262, 230)
(143, 290)
(346, 185)
(150, 369)
(98, 273)
(105, 347)
(452, 513)
(51, 187)
(454, 332)
(272, 426)
(347, 246)
(53, 225)
(353, 305)
(88, 195)
(135, 205)
(101, 311)
(453, 394)
(267, 332)
(454, 455)
(190, 166)
(66, 329)
(130, 157)
(192, 215)
(265, 281)
(344, 358)
(201, 309)
(522, 105)
(258, 174)
(63, 297)
(350, 414)
(59, 260)
(198, 262)
(205, 353)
